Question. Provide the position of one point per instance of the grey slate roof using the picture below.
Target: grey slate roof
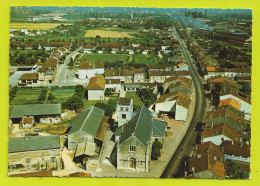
(35, 109)
(142, 126)
(87, 121)
(33, 143)
(159, 128)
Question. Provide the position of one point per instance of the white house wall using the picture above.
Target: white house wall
(96, 95)
(89, 73)
(181, 113)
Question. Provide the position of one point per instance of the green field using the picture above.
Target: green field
(125, 58)
(137, 100)
(145, 59)
(106, 58)
(26, 96)
(62, 95)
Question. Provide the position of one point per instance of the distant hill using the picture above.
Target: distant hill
(21, 12)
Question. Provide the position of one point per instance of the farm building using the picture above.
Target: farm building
(34, 153)
(175, 104)
(41, 113)
(87, 133)
(89, 69)
(96, 88)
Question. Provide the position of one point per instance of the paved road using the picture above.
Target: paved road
(63, 74)
(186, 146)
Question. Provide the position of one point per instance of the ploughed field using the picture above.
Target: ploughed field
(106, 34)
(35, 26)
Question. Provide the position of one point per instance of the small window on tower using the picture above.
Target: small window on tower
(121, 108)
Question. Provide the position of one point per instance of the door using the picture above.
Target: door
(132, 163)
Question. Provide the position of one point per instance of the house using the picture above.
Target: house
(113, 84)
(219, 133)
(88, 49)
(134, 140)
(175, 104)
(125, 76)
(100, 52)
(112, 46)
(42, 113)
(158, 75)
(236, 150)
(181, 66)
(124, 110)
(165, 47)
(96, 88)
(87, 134)
(179, 86)
(28, 79)
(159, 67)
(239, 96)
(47, 71)
(207, 161)
(34, 153)
(27, 121)
(139, 75)
(170, 83)
(89, 69)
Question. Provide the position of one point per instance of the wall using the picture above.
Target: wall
(96, 95)
(139, 154)
(181, 113)
(40, 156)
(89, 73)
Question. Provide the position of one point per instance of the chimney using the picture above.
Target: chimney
(211, 124)
(232, 142)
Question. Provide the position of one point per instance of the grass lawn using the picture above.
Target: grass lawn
(106, 58)
(145, 59)
(137, 100)
(26, 96)
(87, 103)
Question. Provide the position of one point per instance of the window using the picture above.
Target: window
(21, 154)
(121, 108)
(34, 81)
(27, 160)
(132, 148)
(52, 152)
(53, 159)
(124, 116)
(126, 109)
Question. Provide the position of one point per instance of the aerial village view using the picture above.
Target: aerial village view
(130, 92)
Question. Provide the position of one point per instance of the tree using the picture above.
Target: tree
(234, 171)
(51, 97)
(108, 92)
(156, 147)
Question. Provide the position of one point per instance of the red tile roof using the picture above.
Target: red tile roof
(208, 156)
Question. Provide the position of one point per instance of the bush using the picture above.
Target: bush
(156, 147)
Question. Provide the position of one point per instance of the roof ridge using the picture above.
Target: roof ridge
(91, 108)
(138, 117)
